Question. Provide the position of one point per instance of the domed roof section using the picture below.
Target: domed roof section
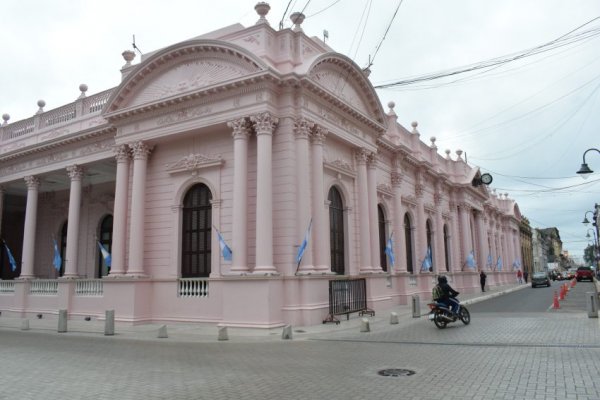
(182, 69)
(340, 76)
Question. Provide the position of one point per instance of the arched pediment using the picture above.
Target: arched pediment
(345, 80)
(182, 69)
(517, 211)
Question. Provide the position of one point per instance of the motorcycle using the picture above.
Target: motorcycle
(442, 315)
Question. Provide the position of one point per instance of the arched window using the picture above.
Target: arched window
(196, 232)
(105, 238)
(63, 247)
(382, 239)
(408, 243)
(446, 247)
(429, 242)
(336, 231)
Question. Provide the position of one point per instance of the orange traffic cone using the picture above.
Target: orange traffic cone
(562, 292)
(555, 303)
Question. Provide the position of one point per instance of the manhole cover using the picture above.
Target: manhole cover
(396, 372)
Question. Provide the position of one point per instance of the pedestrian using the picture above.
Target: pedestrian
(525, 276)
(519, 276)
(482, 277)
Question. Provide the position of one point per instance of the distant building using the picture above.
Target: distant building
(526, 245)
(256, 134)
(539, 250)
(553, 244)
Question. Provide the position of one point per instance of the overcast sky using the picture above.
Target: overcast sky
(526, 122)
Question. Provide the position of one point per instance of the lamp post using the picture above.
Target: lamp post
(584, 170)
(585, 220)
(596, 248)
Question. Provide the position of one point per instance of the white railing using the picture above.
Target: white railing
(95, 103)
(19, 128)
(412, 281)
(89, 287)
(7, 286)
(43, 287)
(192, 287)
(59, 115)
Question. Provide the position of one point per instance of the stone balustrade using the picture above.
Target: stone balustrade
(43, 287)
(192, 287)
(89, 287)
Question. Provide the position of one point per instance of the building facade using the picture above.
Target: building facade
(526, 245)
(249, 135)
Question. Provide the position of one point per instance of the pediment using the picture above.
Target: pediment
(344, 80)
(183, 69)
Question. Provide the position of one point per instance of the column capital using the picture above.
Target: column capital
(396, 179)
(372, 160)
(32, 182)
(75, 172)
(419, 190)
(140, 150)
(437, 199)
(302, 128)
(319, 134)
(122, 153)
(240, 128)
(361, 156)
(264, 123)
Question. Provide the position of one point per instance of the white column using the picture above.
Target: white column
(373, 214)
(320, 236)
(75, 173)
(241, 133)
(264, 125)
(465, 237)
(302, 128)
(456, 264)
(399, 237)
(28, 254)
(363, 212)
(119, 234)
(141, 152)
(482, 253)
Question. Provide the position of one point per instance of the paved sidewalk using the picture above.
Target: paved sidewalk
(199, 332)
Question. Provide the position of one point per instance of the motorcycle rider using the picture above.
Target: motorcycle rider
(446, 295)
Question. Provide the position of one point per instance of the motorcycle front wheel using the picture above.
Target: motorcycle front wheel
(438, 319)
(464, 316)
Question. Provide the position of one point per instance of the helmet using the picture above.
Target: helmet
(442, 279)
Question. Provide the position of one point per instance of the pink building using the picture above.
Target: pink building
(255, 132)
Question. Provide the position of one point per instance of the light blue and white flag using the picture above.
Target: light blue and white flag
(304, 244)
(427, 261)
(471, 260)
(490, 262)
(57, 259)
(389, 250)
(105, 255)
(499, 263)
(225, 250)
(11, 259)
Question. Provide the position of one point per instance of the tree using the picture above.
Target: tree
(589, 255)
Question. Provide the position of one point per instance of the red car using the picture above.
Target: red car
(584, 273)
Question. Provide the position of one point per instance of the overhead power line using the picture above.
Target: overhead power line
(372, 59)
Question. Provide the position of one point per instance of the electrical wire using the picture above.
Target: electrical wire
(324, 9)
(372, 59)
(284, 14)
(306, 5)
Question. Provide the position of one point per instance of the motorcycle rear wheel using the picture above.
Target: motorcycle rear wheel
(438, 319)
(464, 316)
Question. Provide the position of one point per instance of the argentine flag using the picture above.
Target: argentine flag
(389, 250)
(105, 255)
(471, 260)
(57, 260)
(11, 259)
(225, 250)
(499, 263)
(427, 262)
(302, 248)
(490, 262)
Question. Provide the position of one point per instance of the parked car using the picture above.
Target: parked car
(540, 279)
(584, 273)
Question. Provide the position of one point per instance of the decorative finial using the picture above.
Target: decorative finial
(297, 18)
(366, 72)
(506, 195)
(414, 126)
(41, 104)
(5, 117)
(391, 112)
(433, 139)
(83, 88)
(448, 151)
(459, 154)
(262, 9)
(128, 56)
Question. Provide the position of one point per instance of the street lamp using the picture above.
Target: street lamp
(585, 220)
(584, 171)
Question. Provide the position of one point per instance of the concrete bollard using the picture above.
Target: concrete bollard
(223, 335)
(364, 325)
(24, 324)
(162, 332)
(592, 304)
(287, 332)
(62, 321)
(109, 323)
(393, 318)
(416, 306)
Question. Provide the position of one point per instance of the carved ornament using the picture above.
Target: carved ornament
(194, 162)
